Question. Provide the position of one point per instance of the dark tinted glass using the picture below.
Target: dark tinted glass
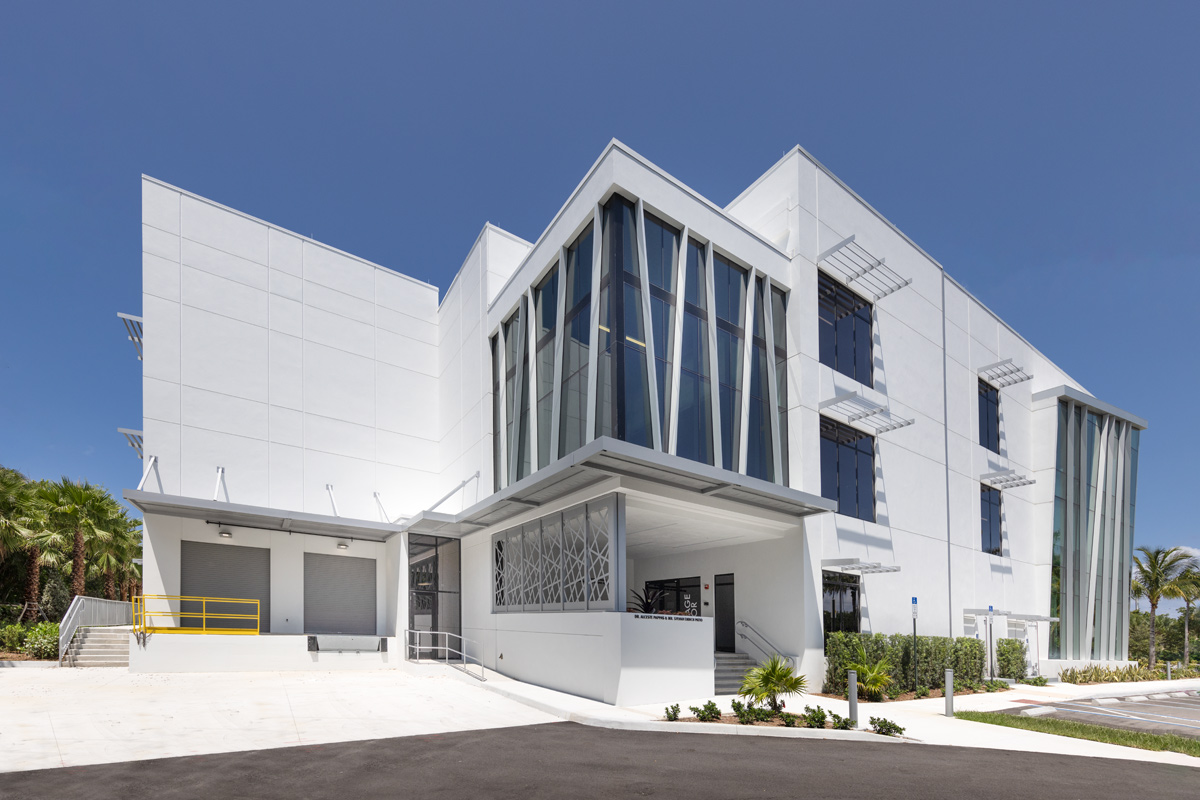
(989, 416)
(848, 469)
(845, 329)
(991, 540)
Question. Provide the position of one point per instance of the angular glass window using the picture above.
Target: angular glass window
(844, 320)
(989, 416)
(546, 319)
(695, 422)
(779, 341)
(516, 388)
(576, 336)
(989, 508)
(848, 469)
(729, 292)
(623, 393)
(662, 255)
(760, 457)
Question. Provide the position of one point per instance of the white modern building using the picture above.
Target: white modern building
(777, 418)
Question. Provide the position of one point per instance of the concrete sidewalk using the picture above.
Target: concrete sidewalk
(71, 717)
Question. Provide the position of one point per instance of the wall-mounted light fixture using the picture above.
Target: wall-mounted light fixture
(343, 545)
(225, 533)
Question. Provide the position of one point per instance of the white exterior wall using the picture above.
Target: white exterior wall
(287, 362)
(161, 562)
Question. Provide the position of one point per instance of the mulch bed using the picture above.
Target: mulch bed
(7, 656)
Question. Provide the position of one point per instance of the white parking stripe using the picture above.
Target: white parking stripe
(1109, 712)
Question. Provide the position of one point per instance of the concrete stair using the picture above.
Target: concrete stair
(99, 647)
(730, 669)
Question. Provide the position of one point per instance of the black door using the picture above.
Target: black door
(723, 615)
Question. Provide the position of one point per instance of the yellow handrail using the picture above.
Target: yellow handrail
(144, 621)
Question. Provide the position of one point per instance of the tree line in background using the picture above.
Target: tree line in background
(63, 538)
(1162, 573)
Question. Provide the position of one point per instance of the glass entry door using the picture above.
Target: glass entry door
(724, 616)
(434, 595)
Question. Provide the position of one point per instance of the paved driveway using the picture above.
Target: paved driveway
(1175, 712)
(69, 717)
(567, 760)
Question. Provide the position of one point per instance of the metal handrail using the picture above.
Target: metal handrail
(411, 650)
(87, 612)
(141, 615)
(769, 650)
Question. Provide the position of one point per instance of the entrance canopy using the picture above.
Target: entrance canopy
(605, 458)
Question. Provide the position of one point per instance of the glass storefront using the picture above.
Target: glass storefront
(434, 590)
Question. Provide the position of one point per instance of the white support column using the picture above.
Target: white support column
(680, 267)
(220, 485)
(594, 327)
(772, 385)
(714, 368)
(560, 339)
(502, 434)
(531, 338)
(648, 324)
(747, 353)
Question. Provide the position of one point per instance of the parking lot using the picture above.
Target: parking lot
(1175, 712)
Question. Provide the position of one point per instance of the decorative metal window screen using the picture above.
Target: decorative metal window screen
(561, 562)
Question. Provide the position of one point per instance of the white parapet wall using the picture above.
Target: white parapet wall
(167, 652)
(619, 658)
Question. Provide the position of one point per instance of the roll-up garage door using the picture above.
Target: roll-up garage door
(226, 570)
(339, 594)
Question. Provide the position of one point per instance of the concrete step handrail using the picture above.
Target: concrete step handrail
(89, 611)
(764, 645)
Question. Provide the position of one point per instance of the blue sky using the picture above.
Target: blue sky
(1046, 153)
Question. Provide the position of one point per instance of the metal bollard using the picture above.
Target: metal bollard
(1168, 670)
(949, 692)
(852, 687)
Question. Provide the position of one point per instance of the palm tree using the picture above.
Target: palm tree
(1157, 575)
(1137, 592)
(76, 513)
(765, 684)
(1187, 588)
(19, 519)
(110, 558)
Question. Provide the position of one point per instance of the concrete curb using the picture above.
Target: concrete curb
(28, 664)
(614, 722)
(1145, 689)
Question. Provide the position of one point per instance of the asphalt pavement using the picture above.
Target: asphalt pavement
(1175, 712)
(559, 760)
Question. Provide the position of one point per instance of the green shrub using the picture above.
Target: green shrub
(935, 654)
(56, 599)
(1011, 658)
(12, 637)
(814, 717)
(995, 686)
(922, 691)
(42, 641)
(1037, 680)
(709, 712)
(673, 713)
(841, 723)
(789, 720)
(873, 674)
(885, 727)
(894, 691)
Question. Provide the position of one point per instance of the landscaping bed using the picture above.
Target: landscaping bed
(764, 717)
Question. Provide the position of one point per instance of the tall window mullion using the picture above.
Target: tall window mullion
(576, 338)
(546, 331)
(779, 344)
(760, 455)
(729, 288)
(517, 392)
(662, 254)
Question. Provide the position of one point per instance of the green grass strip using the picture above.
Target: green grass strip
(1082, 730)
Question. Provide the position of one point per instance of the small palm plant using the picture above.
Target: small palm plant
(770, 681)
(874, 677)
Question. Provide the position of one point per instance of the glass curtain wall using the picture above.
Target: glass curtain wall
(516, 355)
(760, 457)
(576, 322)
(848, 469)
(662, 254)
(546, 318)
(622, 384)
(779, 331)
(729, 292)
(695, 423)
